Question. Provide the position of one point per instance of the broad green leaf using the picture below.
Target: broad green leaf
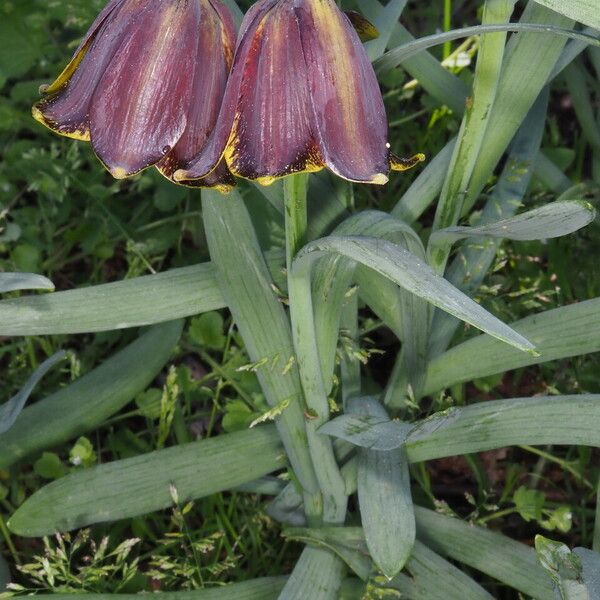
(472, 129)
(559, 333)
(474, 259)
(10, 410)
(129, 303)
(496, 555)
(590, 561)
(247, 287)
(287, 507)
(317, 575)
(10, 282)
(86, 403)
(569, 420)
(145, 483)
(549, 221)
(406, 270)
(584, 11)
(385, 500)
(434, 578)
(266, 588)
(397, 56)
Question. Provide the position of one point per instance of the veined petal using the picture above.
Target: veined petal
(138, 112)
(82, 48)
(213, 57)
(65, 109)
(350, 115)
(272, 134)
(214, 150)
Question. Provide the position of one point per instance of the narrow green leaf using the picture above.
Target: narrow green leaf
(549, 221)
(569, 420)
(10, 410)
(559, 333)
(129, 303)
(85, 404)
(434, 578)
(384, 18)
(474, 259)
(247, 286)
(386, 507)
(266, 588)
(397, 56)
(582, 103)
(472, 129)
(145, 483)
(491, 553)
(412, 274)
(10, 282)
(584, 11)
(317, 575)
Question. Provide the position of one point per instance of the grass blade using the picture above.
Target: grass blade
(559, 333)
(10, 282)
(384, 496)
(557, 420)
(10, 410)
(317, 575)
(487, 551)
(412, 274)
(139, 485)
(85, 404)
(266, 588)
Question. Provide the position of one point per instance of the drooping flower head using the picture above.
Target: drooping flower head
(302, 94)
(145, 86)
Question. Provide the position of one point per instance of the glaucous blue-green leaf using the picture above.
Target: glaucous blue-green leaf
(9, 411)
(10, 282)
(584, 11)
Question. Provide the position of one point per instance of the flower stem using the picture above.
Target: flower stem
(303, 332)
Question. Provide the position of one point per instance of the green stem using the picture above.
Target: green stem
(305, 345)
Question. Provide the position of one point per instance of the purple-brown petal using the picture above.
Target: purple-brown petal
(65, 109)
(350, 115)
(215, 148)
(138, 111)
(212, 63)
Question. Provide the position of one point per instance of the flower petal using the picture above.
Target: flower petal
(138, 112)
(365, 29)
(65, 109)
(215, 148)
(82, 48)
(213, 59)
(350, 114)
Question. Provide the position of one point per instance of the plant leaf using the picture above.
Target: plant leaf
(584, 11)
(143, 484)
(9, 411)
(86, 403)
(496, 555)
(317, 575)
(569, 420)
(4, 574)
(412, 274)
(558, 333)
(265, 588)
(133, 302)
(10, 282)
(385, 499)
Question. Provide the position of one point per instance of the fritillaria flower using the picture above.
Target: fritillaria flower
(302, 95)
(145, 86)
